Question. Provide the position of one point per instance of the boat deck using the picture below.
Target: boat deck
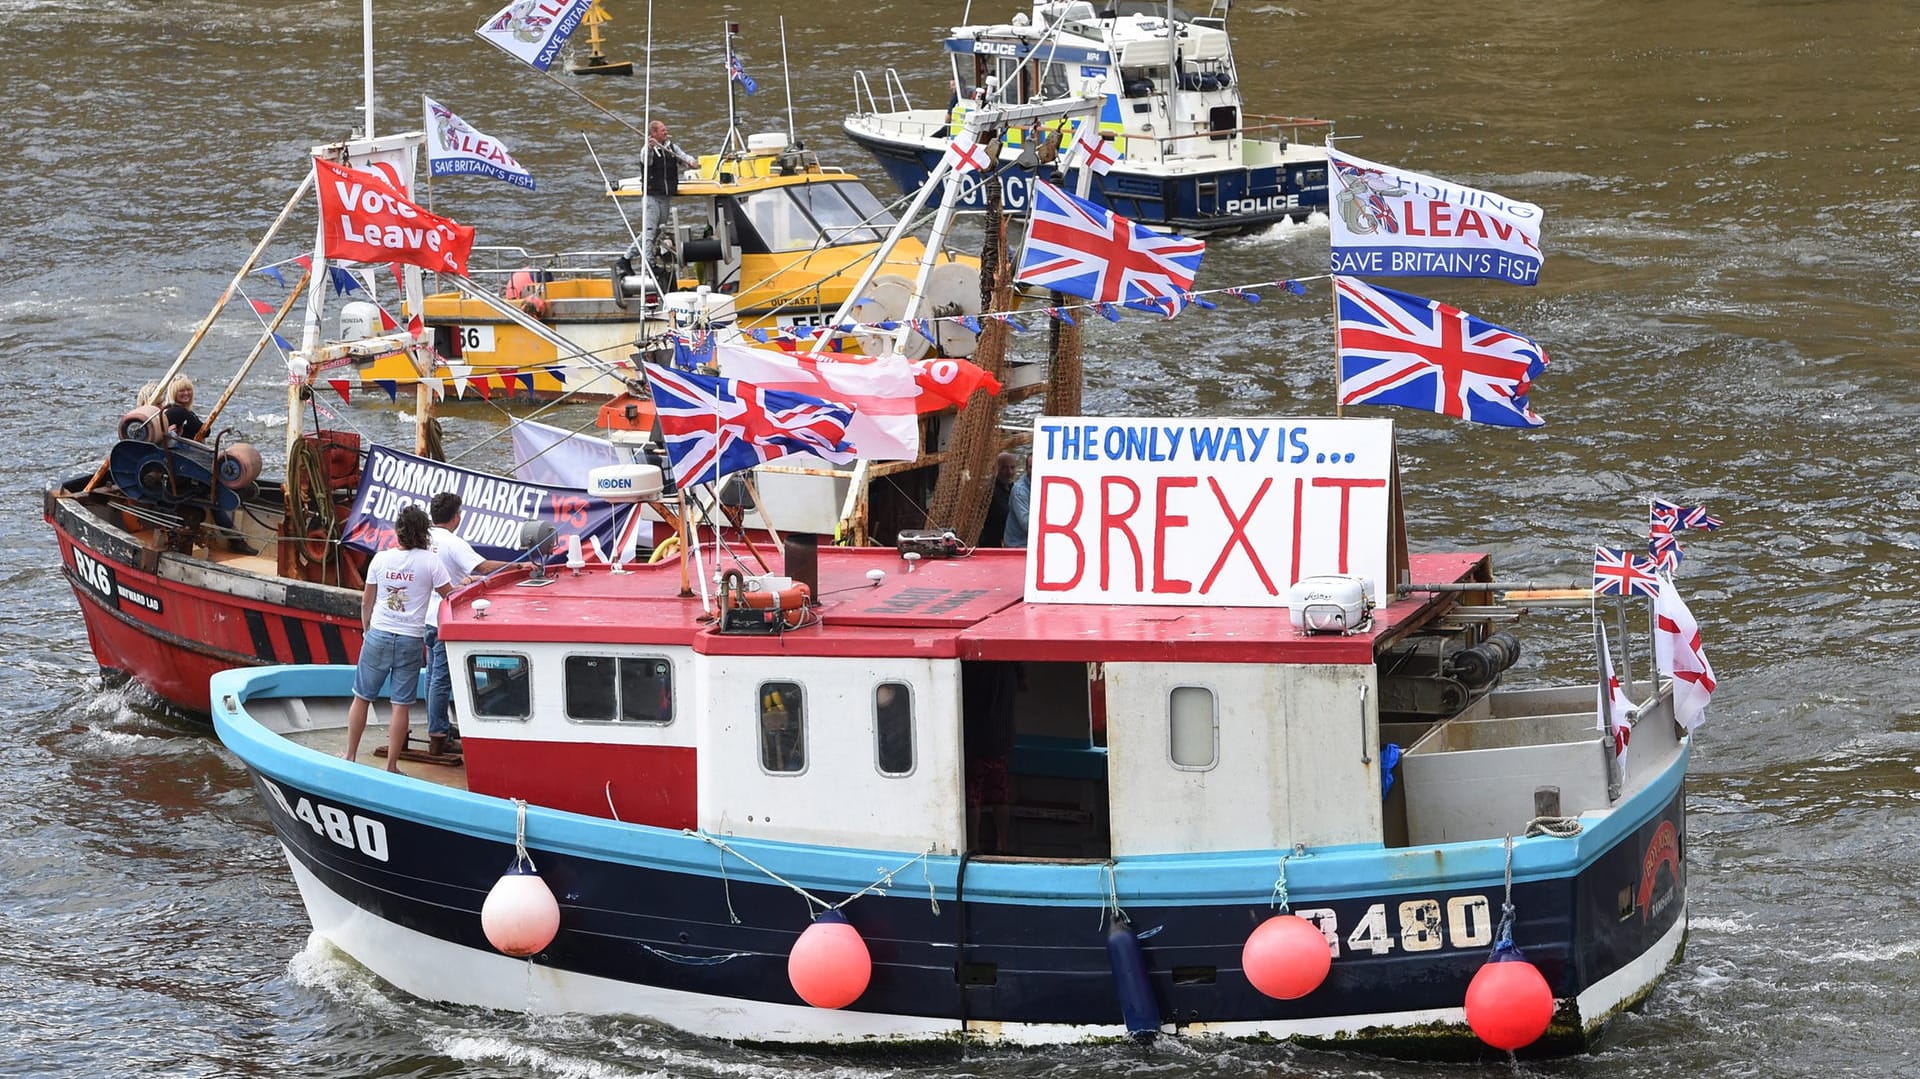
(325, 730)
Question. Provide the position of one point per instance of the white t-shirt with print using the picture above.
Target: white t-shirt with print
(403, 580)
(458, 556)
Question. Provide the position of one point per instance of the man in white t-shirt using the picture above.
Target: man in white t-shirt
(393, 611)
(462, 562)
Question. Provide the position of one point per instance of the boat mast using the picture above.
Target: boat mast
(366, 59)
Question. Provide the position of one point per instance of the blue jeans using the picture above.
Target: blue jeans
(389, 662)
(439, 685)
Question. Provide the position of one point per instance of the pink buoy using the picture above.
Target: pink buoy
(1286, 957)
(520, 916)
(829, 965)
(1509, 1004)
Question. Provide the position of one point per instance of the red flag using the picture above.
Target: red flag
(363, 218)
(388, 322)
(945, 381)
(261, 307)
(342, 387)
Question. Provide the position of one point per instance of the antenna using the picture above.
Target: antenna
(366, 62)
(786, 78)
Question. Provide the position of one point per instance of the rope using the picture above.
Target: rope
(520, 855)
(699, 960)
(1557, 827)
(878, 887)
(1503, 936)
(1279, 901)
(1112, 874)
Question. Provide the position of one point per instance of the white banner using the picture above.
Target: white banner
(533, 31)
(456, 148)
(557, 457)
(1205, 512)
(1387, 222)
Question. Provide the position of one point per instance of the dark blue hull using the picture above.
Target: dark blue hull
(966, 960)
(1222, 201)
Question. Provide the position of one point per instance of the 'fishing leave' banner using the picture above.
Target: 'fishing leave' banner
(1205, 512)
(492, 508)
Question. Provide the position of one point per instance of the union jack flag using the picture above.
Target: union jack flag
(1678, 517)
(1616, 573)
(1083, 250)
(715, 427)
(738, 73)
(1397, 349)
(1661, 544)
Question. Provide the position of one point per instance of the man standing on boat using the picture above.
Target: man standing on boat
(662, 166)
(461, 562)
(393, 611)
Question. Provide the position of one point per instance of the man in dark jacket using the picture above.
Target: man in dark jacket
(663, 164)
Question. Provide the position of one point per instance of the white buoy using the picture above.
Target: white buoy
(520, 916)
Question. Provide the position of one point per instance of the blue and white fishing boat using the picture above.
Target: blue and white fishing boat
(1187, 155)
(1215, 757)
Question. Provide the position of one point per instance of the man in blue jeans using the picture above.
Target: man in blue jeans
(462, 562)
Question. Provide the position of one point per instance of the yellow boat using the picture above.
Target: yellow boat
(776, 241)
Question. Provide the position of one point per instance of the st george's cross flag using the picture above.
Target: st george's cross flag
(1616, 573)
(1614, 706)
(715, 427)
(1085, 250)
(1089, 148)
(1678, 653)
(1398, 349)
(533, 31)
(966, 154)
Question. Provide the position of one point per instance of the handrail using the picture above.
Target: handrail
(891, 80)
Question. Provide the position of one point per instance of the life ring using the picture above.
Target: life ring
(791, 601)
(664, 550)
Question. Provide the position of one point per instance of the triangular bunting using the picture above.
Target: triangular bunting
(343, 387)
(390, 387)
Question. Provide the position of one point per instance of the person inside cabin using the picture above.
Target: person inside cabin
(462, 564)
(994, 532)
(664, 161)
(178, 414)
(1019, 496)
(393, 612)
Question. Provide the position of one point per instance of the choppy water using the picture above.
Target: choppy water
(1728, 299)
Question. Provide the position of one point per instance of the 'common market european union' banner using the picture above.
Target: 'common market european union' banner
(492, 508)
(1386, 222)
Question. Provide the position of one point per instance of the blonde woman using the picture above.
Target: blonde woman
(178, 414)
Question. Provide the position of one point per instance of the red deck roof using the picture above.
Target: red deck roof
(970, 607)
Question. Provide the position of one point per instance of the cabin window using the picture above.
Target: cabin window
(501, 686)
(842, 221)
(783, 727)
(893, 728)
(1053, 82)
(1193, 727)
(772, 223)
(624, 689)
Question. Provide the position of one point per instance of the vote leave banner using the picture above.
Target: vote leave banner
(1205, 512)
(1388, 222)
(363, 218)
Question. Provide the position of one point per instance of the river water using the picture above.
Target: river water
(1728, 299)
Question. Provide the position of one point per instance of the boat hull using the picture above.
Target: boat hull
(694, 929)
(1199, 202)
(171, 621)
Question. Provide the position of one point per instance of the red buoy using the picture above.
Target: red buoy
(1509, 1004)
(520, 916)
(829, 965)
(1286, 957)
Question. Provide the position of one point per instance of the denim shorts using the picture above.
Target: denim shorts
(389, 659)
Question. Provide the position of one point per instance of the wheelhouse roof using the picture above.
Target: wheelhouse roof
(966, 608)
